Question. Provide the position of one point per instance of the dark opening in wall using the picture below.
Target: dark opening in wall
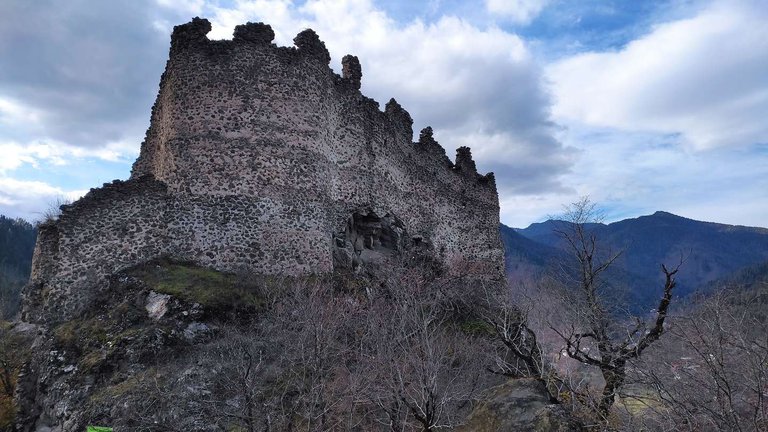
(377, 232)
(369, 237)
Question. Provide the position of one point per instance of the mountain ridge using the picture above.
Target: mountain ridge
(709, 250)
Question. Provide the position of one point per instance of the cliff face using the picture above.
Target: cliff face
(260, 158)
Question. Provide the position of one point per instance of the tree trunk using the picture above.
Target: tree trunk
(614, 378)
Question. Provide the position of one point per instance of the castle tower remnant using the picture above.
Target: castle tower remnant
(261, 158)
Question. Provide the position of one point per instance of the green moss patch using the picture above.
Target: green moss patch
(214, 290)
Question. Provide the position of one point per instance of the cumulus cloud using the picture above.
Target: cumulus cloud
(46, 163)
(13, 113)
(640, 173)
(37, 153)
(704, 78)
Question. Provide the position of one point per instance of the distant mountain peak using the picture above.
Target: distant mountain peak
(711, 250)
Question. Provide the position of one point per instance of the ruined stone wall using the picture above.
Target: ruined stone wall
(258, 156)
(111, 228)
(247, 118)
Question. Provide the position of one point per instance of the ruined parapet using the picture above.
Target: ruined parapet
(190, 34)
(258, 33)
(309, 43)
(464, 162)
(46, 254)
(256, 159)
(426, 137)
(351, 70)
(113, 227)
(399, 117)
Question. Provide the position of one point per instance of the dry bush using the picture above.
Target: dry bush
(712, 372)
(391, 356)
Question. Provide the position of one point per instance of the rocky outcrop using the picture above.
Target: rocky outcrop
(519, 405)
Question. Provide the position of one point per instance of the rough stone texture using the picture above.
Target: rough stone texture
(259, 33)
(352, 71)
(257, 159)
(519, 405)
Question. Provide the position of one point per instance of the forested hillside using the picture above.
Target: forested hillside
(17, 241)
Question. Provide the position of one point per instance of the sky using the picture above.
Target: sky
(640, 105)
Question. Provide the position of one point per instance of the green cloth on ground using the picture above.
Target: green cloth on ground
(98, 429)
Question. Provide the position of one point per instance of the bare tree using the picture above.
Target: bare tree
(520, 353)
(599, 337)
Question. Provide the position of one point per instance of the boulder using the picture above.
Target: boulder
(519, 405)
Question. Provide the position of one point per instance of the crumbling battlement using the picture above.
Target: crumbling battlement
(261, 158)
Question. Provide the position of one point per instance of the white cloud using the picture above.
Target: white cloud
(183, 6)
(15, 155)
(700, 81)
(85, 88)
(280, 14)
(640, 173)
(83, 97)
(705, 78)
(519, 211)
(12, 187)
(57, 153)
(519, 11)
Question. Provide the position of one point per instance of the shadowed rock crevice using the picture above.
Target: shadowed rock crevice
(368, 238)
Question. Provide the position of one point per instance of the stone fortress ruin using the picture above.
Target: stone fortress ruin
(261, 158)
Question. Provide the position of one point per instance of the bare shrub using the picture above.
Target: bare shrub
(422, 371)
(712, 369)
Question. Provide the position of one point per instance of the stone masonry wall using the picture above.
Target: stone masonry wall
(256, 159)
(113, 227)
